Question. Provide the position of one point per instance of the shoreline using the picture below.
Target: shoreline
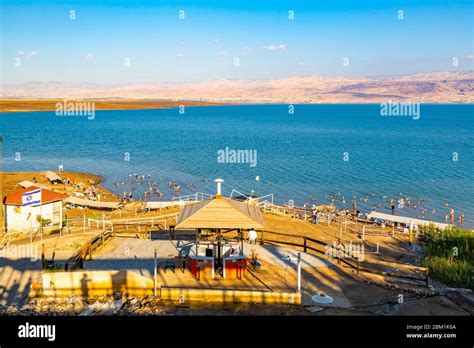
(10, 180)
(38, 105)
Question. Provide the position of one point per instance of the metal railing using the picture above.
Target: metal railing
(99, 223)
(259, 200)
(195, 197)
(293, 212)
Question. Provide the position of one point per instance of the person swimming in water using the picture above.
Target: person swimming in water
(401, 203)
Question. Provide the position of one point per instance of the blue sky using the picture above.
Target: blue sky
(94, 47)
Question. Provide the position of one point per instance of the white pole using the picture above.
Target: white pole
(154, 276)
(363, 232)
(41, 214)
(377, 248)
(212, 268)
(299, 273)
(60, 216)
(219, 183)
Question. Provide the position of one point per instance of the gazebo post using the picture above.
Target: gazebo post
(241, 235)
(219, 246)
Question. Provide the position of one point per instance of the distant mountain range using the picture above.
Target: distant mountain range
(436, 87)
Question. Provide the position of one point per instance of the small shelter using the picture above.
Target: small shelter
(53, 177)
(75, 201)
(405, 220)
(28, 208)
(27, 183)
(219, 215)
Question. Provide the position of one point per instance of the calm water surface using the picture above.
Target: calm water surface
(299, 157)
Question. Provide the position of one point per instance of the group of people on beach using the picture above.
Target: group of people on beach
(91, 193)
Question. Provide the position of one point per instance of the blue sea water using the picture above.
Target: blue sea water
(300, 156)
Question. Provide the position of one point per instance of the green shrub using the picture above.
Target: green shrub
(457, 273)
(449, 255)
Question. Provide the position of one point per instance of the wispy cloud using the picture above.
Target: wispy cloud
(469, 57)
(29, 54)
(179, 55)
(275, 48)
(88, 57)
(221, 54)
(303, 65)
(245, 50)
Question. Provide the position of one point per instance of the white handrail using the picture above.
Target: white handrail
(194, 197)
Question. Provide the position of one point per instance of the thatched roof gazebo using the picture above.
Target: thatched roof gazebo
(220, 215)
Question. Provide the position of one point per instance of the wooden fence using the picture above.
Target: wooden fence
(344, 256)
(88, 249)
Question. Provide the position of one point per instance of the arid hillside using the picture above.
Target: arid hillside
(438, 87)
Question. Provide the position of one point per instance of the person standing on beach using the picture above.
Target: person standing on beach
(315, 216)
(451, 216)
(252, 236)
(392, 206)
